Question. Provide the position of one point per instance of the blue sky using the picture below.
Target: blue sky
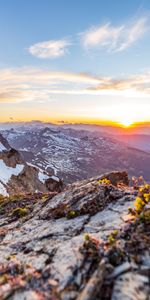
(75, 60)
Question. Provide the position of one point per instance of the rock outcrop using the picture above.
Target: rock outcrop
(59, 247)
(17, 176)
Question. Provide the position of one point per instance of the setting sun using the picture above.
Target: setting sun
(126, 123)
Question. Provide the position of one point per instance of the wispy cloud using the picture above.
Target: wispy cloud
(50, 49)
(33, 84)
(133, 86)
(114, 38)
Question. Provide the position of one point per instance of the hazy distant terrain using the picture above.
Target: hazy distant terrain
(139, 141)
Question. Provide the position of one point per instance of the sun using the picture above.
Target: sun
(126, 123)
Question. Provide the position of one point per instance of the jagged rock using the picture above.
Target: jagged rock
(79, 198)
(117, 178)
(53, 183)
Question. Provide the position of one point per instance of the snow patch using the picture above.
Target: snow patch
(31, 165)
(2, 148)
(3, 190)
(55, 178)
(42, 177)
(6, 172)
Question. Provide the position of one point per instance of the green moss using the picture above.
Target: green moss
(19, 212)
(112, 237)
(86, 237)
(115, 232)
(71, 214)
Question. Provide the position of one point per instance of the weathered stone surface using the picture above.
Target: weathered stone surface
(27, 295)
(122, 269)
(44, 255)
(131, 286)
(94, 284)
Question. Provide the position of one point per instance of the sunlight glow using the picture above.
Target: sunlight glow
(126, 123)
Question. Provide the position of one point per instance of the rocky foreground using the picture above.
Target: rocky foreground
(78, 244)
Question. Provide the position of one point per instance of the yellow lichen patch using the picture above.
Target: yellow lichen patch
(104, 181)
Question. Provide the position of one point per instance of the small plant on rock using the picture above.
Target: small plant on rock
(71, 214)
(104, 181)
(91, 242)
(141, 201)
(112, 237)
(19, 212)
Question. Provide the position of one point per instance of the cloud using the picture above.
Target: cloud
(107, 36)
(33, 84)
(50, 49)
(8, 96)
(134, 86)
(114, 38)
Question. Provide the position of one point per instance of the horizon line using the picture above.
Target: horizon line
(96, 123)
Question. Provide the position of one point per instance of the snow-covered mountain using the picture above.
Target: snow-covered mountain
(76, 154)
(17, 176)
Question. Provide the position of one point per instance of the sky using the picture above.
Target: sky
(75, 61)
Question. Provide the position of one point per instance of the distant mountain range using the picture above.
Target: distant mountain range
(105, 129)
(76, 154)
